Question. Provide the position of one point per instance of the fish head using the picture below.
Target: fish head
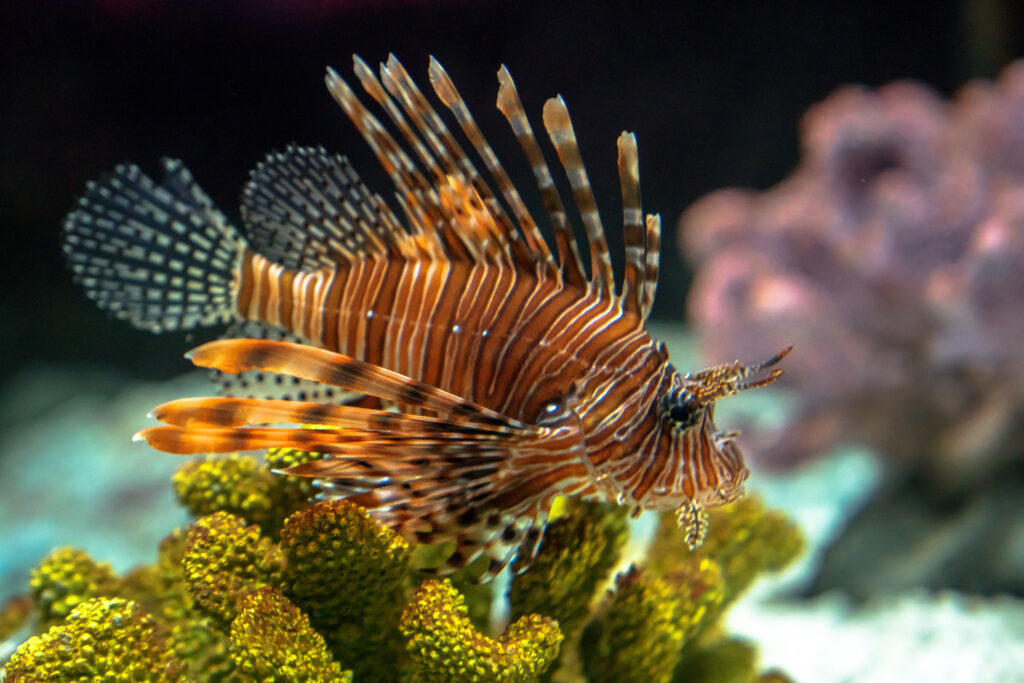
(709, 466)
(675, 457)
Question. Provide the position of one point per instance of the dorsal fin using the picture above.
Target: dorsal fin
(512, 108)
(652, 247)
(308, 209)
(451, 155)
(559, 127)
(472, 220)
(426, 205)
(431, 187)
(448, 94)
(633, 234)
(413, 190)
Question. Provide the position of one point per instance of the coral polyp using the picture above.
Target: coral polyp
(331, 595)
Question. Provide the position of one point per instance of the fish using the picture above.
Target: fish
(456, 373)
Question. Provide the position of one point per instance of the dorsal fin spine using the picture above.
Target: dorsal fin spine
(407, 179)
(653, 245)
(449, 95)
(377, 91)
(445, 144)
(633, 232)
(559, 127)
(568, 253)
(459, 246)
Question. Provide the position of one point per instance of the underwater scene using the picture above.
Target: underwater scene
(453, 340)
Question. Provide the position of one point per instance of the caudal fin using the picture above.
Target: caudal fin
(159, 256)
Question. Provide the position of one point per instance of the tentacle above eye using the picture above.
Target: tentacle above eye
(729, 379)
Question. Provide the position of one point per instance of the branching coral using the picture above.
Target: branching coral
(65, 578)
(243, 486)
(224, 561)
(744, 540)
(580, 548)
(101, 636)
(348, 573)
(272, 641)
(162, 590)
(664, 618)
(639, 636)
(892, 258)
(725, 661)
(327, 596)
(236, 484)
(445, 647)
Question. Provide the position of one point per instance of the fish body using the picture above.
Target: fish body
(459, 376)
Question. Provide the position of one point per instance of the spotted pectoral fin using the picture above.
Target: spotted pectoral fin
(432, 478)
(157, 254)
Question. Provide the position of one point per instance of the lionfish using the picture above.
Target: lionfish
(456, 376)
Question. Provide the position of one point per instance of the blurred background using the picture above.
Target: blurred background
(879, 227)
(715, 95)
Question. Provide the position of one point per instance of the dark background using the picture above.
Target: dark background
(713, 90)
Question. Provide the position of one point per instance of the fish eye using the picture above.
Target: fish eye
(681, 409)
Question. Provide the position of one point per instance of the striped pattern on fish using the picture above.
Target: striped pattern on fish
(516, 376)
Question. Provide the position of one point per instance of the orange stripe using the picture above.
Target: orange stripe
(245, 283)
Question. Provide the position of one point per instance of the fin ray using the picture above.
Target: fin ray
(559, 127)
(652, 248)
(159, 256)
(568, 253)
(633, 231)
(234, 355)
(306, 209)
(238, 412)
(449, 95)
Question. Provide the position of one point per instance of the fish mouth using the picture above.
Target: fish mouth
(732, 475)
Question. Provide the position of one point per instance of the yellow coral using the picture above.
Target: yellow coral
(224, 560)
(700, 589)
(224, 602)
(241, 485)
(161, 588)
(639, 636)
(299, 489)
(445, 648)
(272, 640)
(726, 661)
(579, 551)
(744, 538)
(347, 572)
(65, 578)
(102, 639)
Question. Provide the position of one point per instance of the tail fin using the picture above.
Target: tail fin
(159, 256)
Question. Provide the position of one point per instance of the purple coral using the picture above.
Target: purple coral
(893, 259)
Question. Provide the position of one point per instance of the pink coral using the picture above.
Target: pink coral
(893, 259)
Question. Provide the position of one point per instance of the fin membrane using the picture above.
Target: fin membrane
(159, 256)
(307, 209)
